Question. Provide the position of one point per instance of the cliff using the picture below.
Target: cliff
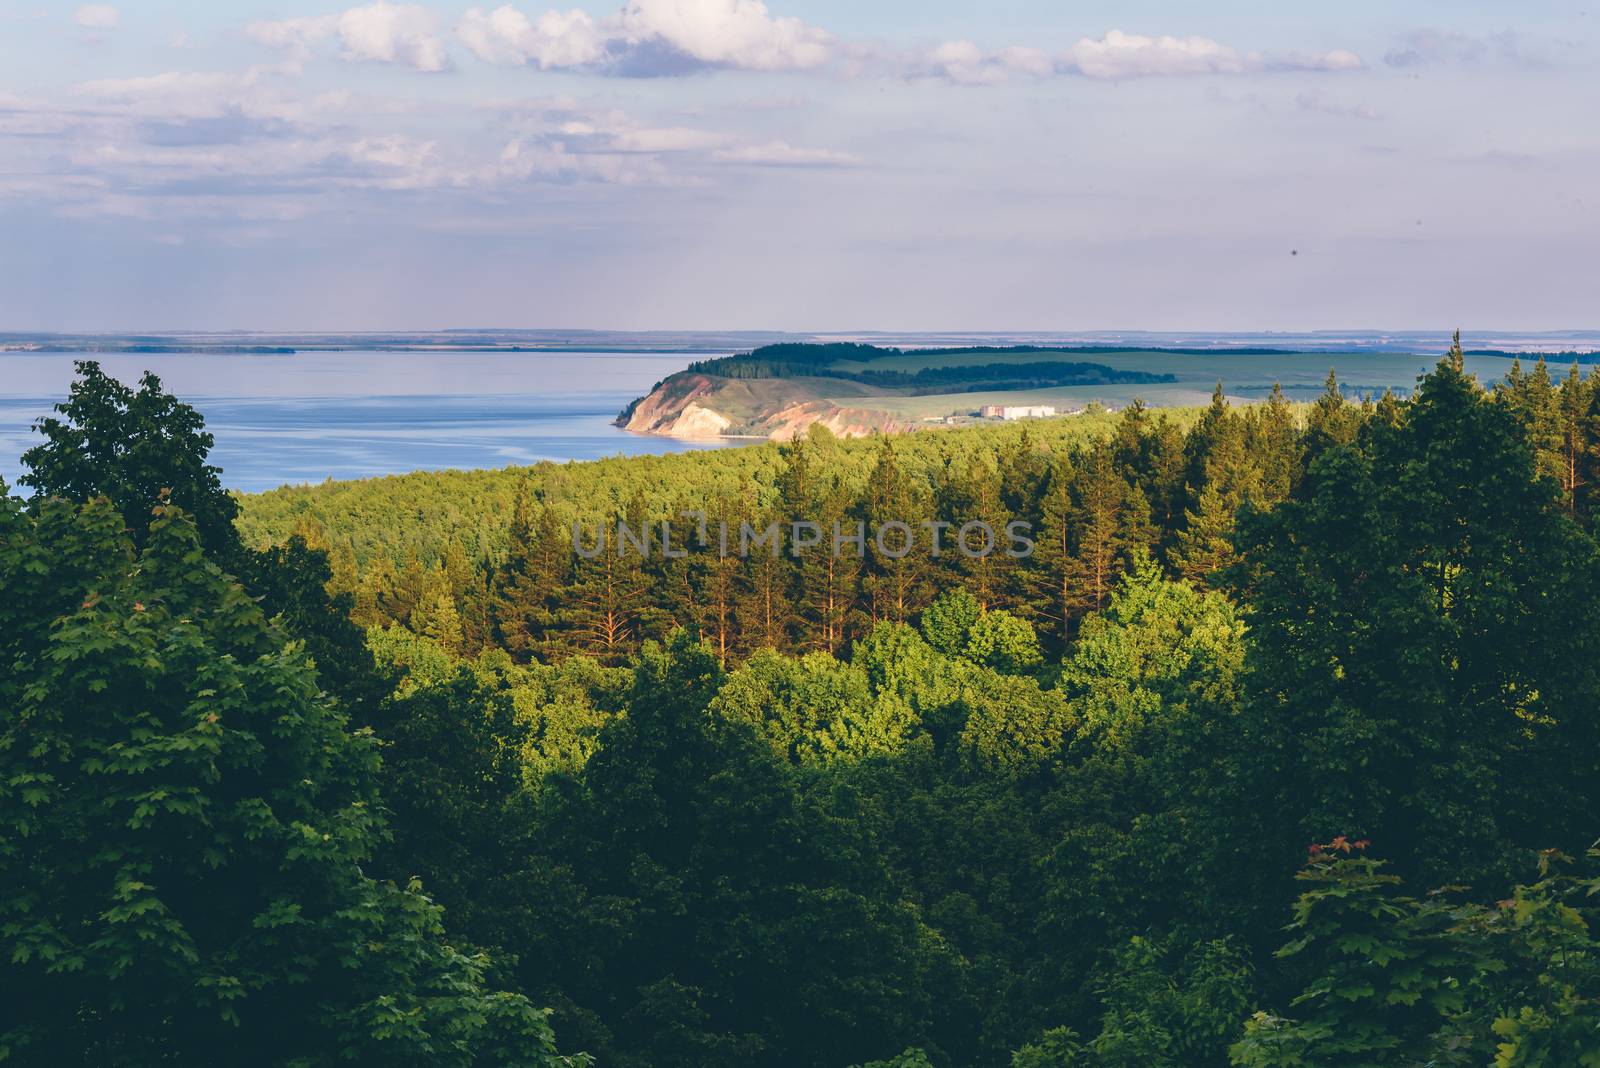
(697, 406)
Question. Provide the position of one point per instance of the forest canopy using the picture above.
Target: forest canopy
(969, 375)
(1281, 749)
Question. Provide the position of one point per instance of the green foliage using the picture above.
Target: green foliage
(1158, 649)
(417, 662)
(1387, 972)
(800, 360)
(685, 915)
(1160, 1011)
(1395, 980)
(947, 622)
(909, 1058)
(184, 819)
(1553, 939)
(1418, 669)
(814, 709)
(501, 541)
(1009, 723)
(144, 449)
(725, 810)
(1058, 1047)
(136, 448)
(1001, 641)
(452, 779)
(957, 625)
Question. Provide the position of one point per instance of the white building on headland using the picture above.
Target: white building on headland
(1021, 411)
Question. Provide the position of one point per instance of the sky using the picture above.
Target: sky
(822, 165)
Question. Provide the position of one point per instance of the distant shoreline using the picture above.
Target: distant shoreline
(1553, 344)
(220, 350)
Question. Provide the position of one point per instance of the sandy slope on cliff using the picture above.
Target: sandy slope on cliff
(698, 406)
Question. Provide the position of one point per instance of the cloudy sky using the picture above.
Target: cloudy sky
(803, 164)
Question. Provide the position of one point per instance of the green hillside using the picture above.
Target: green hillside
(858, 389)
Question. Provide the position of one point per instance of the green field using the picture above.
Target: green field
(1244, 377)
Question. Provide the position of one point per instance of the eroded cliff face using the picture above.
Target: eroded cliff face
(701, 407)
(680, 407)
(786, 423)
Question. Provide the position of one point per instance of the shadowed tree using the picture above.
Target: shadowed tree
(184, 822)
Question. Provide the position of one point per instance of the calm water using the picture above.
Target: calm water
(317, 415)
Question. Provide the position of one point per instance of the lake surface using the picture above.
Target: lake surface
(360, 413)
(318, 415)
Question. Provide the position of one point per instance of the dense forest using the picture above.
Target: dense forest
(794, 358)
(817, 361)
(1280, 748)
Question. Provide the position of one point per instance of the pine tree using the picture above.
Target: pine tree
(1053, 570)
(1098, 537)
(375, 594)
(1215, 428)
(897, 560)
(1023, 468)
(528, 590)
(720, 578)
(1162, 480)
(829, 576)
(1576, 443)
(762, 607)
(972, 495)
(1276, 443)
(608, 592)
(1539, 405)
(1130, 441)
(1331, 422)
(436, 616)
(1205, 545)
(1138, 531)
(406, 592)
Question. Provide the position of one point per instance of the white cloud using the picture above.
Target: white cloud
(1116, 56)
(783, 154)
(395, 151)
(1124, 55)
(1337, 60)
(649, 37)
(735, 33)
(523, 161)
(964, 63)
(558, 39)
(380, 32)
(616, 131)
(255, 144)
(1022, 60)
(97, 16)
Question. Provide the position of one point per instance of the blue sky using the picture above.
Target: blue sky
(799, 164)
